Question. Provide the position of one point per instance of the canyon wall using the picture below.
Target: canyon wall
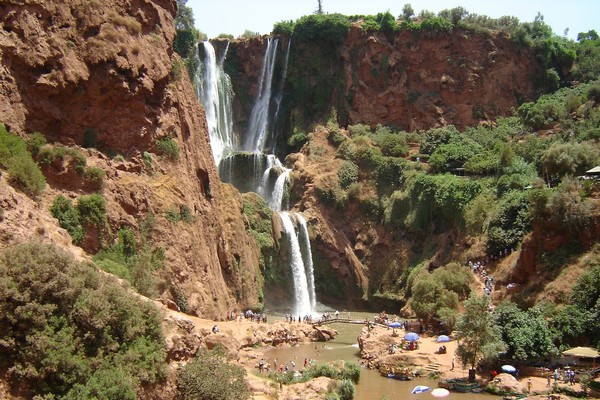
(77, 69)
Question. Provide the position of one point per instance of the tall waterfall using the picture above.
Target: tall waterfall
(302, 297)
(258, 125)
(213, 88)
(246, 165)
(304, 242)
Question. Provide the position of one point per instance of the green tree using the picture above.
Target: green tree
(211, 376)
(526, 333)
(586, 296)
(408, 12)
(186, 35)
(478, 337)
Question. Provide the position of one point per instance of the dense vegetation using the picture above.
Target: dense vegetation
(16, 158)
(490, 183)
(70, 332)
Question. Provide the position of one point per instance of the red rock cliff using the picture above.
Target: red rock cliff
(67, 66)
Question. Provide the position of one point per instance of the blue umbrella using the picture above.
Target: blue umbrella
(395, 324)
(442, 338)
(508, 368)
(411, 336)
(420, 389)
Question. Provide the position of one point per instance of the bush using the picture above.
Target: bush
(90, 335)
(24, 172)
(211, 376)
(297, 140)
(346, 390)
(92, 209)
(68, 218)
(95, 176)
(284, 28)
(168, 147)
(35, 142)
(348, 174)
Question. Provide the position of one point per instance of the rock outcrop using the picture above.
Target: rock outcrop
(104, 72)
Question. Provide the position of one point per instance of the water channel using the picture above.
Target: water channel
(372, 385)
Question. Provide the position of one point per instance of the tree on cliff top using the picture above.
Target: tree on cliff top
(186, 35)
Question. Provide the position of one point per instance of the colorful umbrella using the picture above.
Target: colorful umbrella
(411, 336)
(395, 324)
(442, 338)
(420, 389)
(440, 392)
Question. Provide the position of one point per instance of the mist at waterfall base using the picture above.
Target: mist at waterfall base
(247, 161)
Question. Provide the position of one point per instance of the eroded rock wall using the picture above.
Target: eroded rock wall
(71, 66)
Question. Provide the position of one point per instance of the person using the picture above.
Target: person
(548, 384)
(452, 369)
(215, 329)
(337, 314)
(529, 384)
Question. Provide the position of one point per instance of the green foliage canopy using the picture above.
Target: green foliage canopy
(66, 330)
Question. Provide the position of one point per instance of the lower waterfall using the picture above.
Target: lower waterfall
(304, 294)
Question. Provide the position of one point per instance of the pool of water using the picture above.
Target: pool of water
(372, 385)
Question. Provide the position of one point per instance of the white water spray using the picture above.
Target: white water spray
(302, 302)
(259, 117)
(213, 88)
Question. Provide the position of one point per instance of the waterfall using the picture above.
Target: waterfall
(301, 292)
(307, 257)
(276, 200)
(259, 117)
(278, 96)
(247, 166)
(214, 90)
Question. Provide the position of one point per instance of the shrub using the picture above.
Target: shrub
(26, 175)
(297, 140)
(89, 335)
(168, 147)
(23, 171)
(92, 209)
(284, 28)
(68, 218)
(436, 24)
(35, 142)
(348, 174)
(211, 376)
(95, 176)
(359, 130)
(346, 390)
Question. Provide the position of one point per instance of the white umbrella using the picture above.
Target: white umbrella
(440, 392)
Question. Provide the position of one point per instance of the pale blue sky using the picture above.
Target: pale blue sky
(235, 16)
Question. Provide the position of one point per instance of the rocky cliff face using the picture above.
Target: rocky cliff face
(409, 80)
(74, 68)
(417, 81)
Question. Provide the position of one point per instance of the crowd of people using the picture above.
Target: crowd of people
(248, 315)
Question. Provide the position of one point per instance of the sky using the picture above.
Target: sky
(214, 17)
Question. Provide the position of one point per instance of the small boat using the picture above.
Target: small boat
(401, 377)
(459, 385)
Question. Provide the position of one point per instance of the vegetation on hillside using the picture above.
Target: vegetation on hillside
(16, 158)
(69, 332)
(492, 183)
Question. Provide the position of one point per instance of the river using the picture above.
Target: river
(372, 385)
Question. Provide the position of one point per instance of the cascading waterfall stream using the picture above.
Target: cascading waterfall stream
(259, 117)
(213, 88)
(301, 293)
(247, 166)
